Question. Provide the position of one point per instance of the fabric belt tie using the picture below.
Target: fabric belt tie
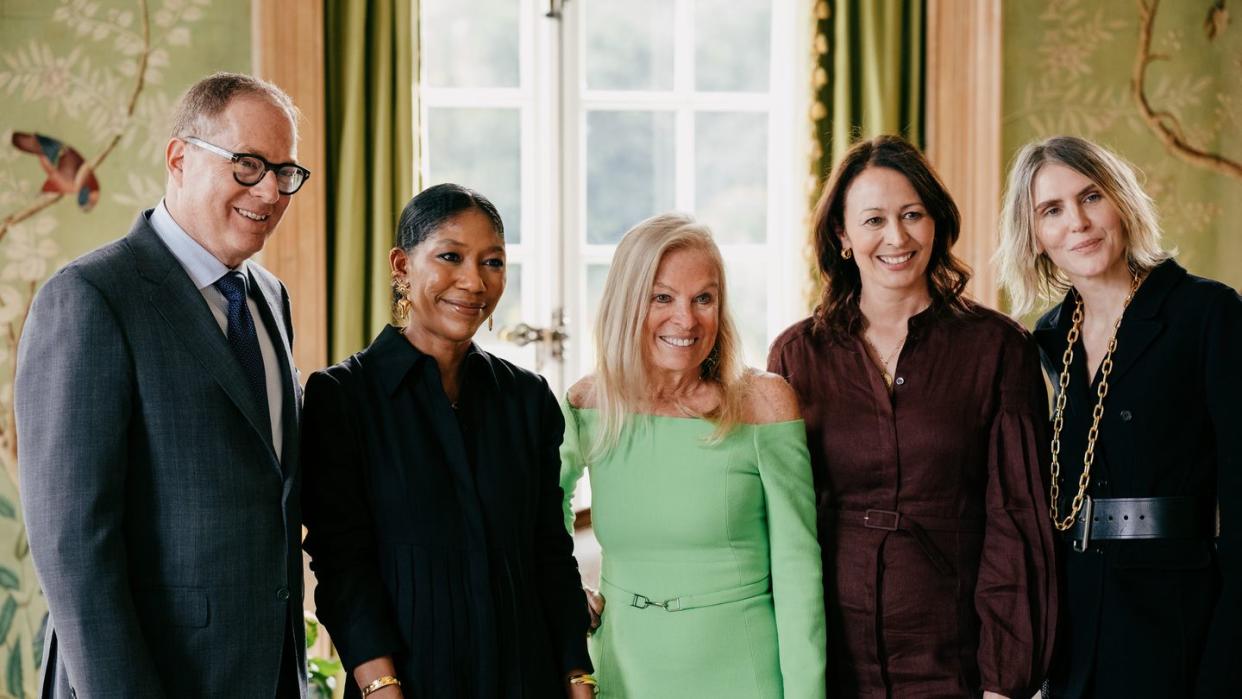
(684, 602)
(243, 339)
(916, 526)
(1114, 519)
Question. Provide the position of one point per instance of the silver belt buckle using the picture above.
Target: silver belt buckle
(643, 601)
(1080, 544)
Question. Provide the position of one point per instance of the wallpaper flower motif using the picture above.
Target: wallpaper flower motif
(1068, 66)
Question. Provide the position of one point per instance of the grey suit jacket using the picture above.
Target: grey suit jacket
(164, 530)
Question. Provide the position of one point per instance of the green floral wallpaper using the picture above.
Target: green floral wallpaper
(1068, 65)
(69, 71)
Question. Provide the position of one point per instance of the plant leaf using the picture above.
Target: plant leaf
(7, 612)
(9, 579)
(36, 645)
(14, 673)
(312, 632)
(7, 509)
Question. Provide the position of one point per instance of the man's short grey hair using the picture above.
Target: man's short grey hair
(207, 98)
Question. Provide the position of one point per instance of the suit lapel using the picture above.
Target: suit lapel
(269, 308)
(1051, 339)
(182, 306)
(1133, 339)
(1142, 324)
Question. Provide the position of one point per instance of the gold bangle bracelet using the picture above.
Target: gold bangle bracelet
(587, 680)
(379, 683)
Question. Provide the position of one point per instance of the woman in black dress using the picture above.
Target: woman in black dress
(431, 494)
(1147, 430)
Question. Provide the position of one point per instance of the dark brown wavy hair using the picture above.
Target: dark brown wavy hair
(838, 314)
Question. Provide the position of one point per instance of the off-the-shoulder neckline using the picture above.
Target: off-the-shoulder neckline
(688, 418)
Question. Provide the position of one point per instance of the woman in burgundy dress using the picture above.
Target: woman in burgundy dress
(927, 421)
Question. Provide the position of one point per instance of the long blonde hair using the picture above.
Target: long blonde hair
(1030, 276)
(621, 377)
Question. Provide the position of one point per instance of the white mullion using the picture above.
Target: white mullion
(683, 146)
(424, 143)
(787, 168)
(570, 151)
(683, 88)
(533, 261)
(683, 47)
(596, 254)
(743, 249)
(712, 101)
(474, 96)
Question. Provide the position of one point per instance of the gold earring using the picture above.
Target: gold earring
(490, 323)
(847, 253)
(401, 309)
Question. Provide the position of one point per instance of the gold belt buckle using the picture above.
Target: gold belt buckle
(1080, 544)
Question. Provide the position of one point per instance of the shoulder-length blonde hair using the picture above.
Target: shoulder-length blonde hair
(621, 376)
(1029, 275)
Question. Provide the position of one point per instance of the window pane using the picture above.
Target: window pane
(629, 45)
(470, 44)
(629, 171)
(731, 45)
(509, 310)
(508, 314)
(596, 275)
(748, 303)
(479, 149)
(731, 174)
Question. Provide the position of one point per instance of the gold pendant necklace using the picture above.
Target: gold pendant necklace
(1058, 414)
(888, 378)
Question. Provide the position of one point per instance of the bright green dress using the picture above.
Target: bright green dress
(724, 532)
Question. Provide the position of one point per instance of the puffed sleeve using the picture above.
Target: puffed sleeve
(1015, 594)
(572, 464)
(560, 584)
(1220, 674)
(797, 576)
(350, 598)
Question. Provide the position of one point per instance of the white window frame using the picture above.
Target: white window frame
(553, 253)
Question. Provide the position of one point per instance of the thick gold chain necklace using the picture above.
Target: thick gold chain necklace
(1058, 415)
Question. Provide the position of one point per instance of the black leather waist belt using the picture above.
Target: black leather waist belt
(1112, 519)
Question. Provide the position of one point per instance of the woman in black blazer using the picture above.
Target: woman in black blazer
(431, 494)
(1147, 430)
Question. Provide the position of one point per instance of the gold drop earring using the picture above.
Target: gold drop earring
(401, 288)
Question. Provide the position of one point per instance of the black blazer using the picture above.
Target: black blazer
(437, 535)
(1156, 618)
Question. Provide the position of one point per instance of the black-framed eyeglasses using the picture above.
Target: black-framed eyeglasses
(250, 169)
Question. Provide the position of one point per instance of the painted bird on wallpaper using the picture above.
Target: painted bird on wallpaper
(61, 163)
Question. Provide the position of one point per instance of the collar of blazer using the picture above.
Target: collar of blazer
(182, 306)
(393, 358)
(1139, 328)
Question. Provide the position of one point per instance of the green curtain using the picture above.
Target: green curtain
(868, 75)
(371, 68)
(867, 81)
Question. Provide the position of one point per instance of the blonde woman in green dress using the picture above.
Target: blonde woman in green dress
(701, 488)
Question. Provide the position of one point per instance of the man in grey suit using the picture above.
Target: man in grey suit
(157, 407)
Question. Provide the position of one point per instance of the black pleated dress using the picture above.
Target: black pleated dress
(436, 534)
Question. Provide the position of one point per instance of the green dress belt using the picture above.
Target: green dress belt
(677, 604)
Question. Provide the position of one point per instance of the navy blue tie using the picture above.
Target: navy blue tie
(242, 337)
